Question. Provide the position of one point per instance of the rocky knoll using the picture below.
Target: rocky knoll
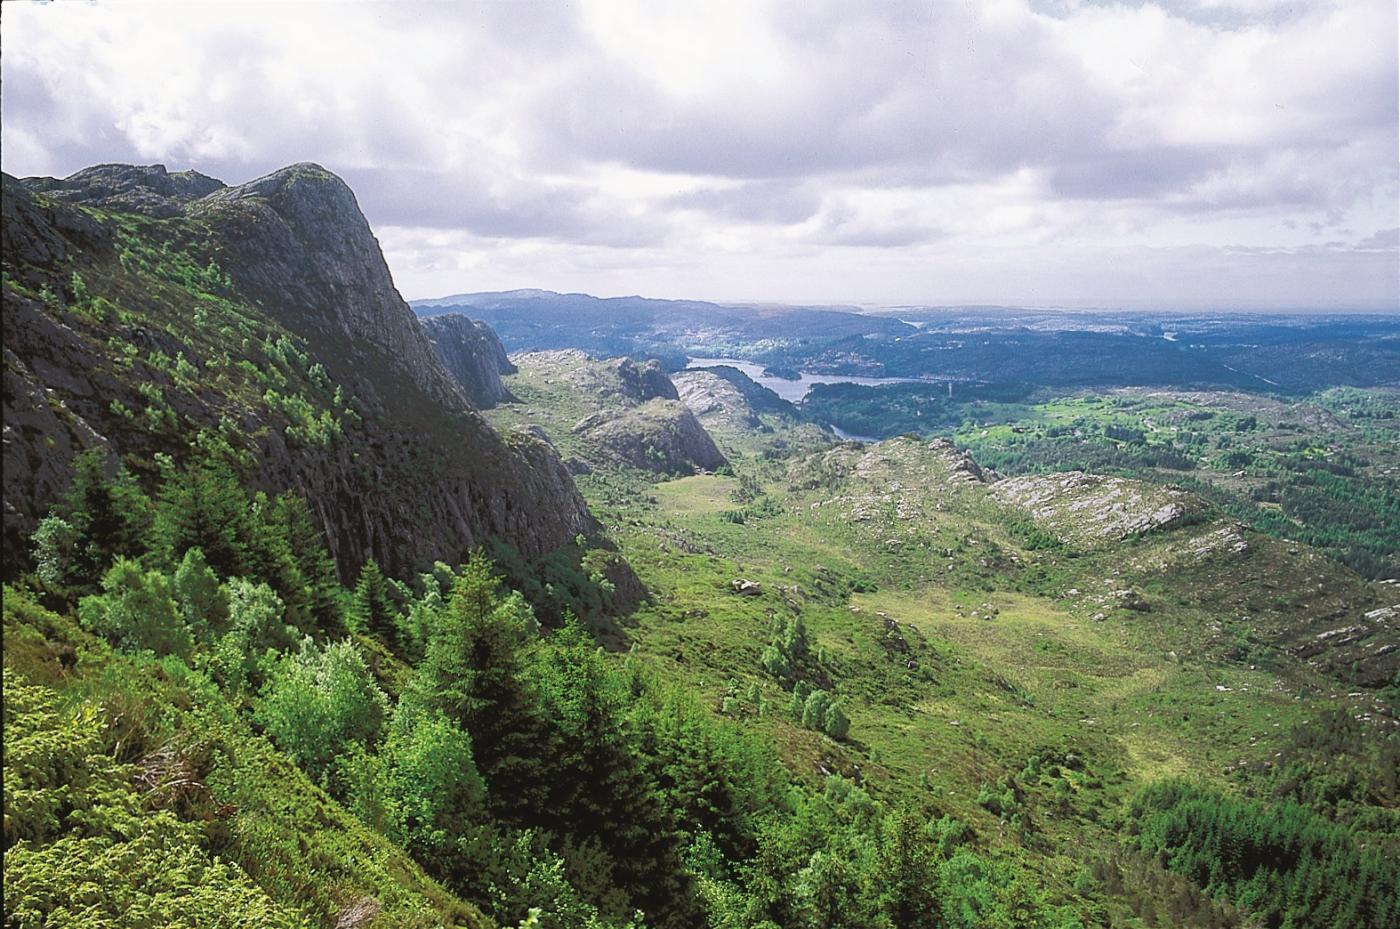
(717, 402)
(473, 355)
(660, 435)
(616, 409)
(415, 474)
(609, 382)
(641, 382)
(1093, 509)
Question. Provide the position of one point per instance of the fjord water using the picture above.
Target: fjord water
(794, 391)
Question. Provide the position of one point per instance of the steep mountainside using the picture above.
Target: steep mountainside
(142, 306)
(473, 355)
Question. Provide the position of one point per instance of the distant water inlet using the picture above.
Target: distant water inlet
(794, 391)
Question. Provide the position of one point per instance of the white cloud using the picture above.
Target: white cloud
(905, 152)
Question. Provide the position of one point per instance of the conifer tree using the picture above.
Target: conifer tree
(373, 607)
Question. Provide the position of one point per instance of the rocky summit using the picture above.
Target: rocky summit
(263, 313)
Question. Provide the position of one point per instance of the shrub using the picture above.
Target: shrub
(81, 849)
(137, 612)
(431, 775)
(255, 624)
(201, 599)
(56, 546)
(320, 700)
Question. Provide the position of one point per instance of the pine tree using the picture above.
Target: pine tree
(373, 607)
(205, 507)
(137, 612)
(108, 516)
(318, 603)
(473, 672)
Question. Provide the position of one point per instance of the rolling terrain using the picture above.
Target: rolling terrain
(980, 629)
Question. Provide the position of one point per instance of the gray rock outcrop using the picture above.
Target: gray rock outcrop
(473, 355)
(147, 189)
(662, 436)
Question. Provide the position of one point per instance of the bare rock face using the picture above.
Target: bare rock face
(43, 235)
(36, 470)
(473, 355)
(1092, 509)
(419, 475)
(961, 466)
(297, 243)
(610, 382)
(715, 401)
(660, 435)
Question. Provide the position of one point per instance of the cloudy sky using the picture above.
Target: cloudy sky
(1191, 153)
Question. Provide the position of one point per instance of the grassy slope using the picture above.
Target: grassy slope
(1108, 697)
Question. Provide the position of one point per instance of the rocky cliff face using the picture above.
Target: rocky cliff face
(411, 472)
(473, 355)
(297, 243)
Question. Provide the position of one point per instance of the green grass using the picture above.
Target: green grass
(1061, 669)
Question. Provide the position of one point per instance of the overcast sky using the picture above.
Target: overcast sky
(1195, 153)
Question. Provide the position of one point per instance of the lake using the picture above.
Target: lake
(794, 391)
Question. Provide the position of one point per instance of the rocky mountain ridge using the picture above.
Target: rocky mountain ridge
(274, 297)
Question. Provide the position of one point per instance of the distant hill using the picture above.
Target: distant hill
(1000, 346)
(542, 320)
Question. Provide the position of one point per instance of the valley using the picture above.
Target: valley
(615, 465)
(971, 631)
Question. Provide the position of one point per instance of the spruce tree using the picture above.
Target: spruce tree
(373, 607)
